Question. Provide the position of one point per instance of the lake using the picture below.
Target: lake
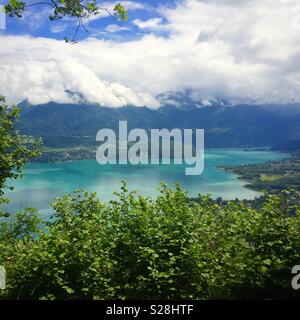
(43, 182)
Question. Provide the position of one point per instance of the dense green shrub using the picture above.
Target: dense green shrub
(138, 248)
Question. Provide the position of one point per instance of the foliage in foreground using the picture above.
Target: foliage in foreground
(137, 248)
(15, 149)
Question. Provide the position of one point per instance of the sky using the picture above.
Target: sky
(243, 51)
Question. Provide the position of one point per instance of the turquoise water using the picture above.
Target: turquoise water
(45, 181)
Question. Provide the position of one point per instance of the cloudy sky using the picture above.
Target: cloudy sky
(244, 51)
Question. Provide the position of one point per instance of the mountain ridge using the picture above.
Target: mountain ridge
(65, 125)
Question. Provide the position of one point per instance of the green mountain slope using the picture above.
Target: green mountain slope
(66, 125)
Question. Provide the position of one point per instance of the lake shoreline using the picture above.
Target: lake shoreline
(43, 182)
(58, 155)
(272, 176)
(89, 153)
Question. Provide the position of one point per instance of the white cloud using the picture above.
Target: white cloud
(112, 28)
(28, 71)
(133, 5)
(58, 28)
(152, 24)
(243, 51)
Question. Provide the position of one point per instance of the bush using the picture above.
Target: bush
(167, 248)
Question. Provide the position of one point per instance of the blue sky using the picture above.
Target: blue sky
(36, 23)
(243, 51)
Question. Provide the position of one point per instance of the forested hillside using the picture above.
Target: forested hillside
(240, 126)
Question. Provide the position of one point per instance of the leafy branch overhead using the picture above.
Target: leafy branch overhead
(77, 9)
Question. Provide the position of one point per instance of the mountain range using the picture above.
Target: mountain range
(246, 126)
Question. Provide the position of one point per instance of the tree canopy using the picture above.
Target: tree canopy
(139, 248)
(15, 149)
